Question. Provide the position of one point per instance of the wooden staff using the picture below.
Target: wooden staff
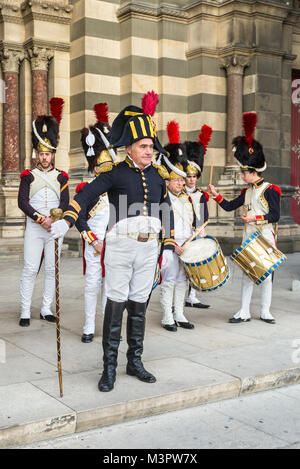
(56, 214)
(198, 230)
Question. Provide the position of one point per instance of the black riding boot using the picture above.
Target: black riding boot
(110, 341)
(135, 337)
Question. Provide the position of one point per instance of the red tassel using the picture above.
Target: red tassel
(56, 108)
(173, 132)
(249, 124)
(149, 102)
(101, 111)
(205, 136)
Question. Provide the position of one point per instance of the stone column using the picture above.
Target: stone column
(10, 224)
(10, 60)
(39, 59)
(234, 65)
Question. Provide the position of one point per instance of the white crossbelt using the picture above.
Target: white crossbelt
(49, 183)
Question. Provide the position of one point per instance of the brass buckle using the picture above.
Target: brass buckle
(143, 237)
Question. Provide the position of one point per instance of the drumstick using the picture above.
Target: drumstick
(245, 224)
(198, 230)
(211, 173)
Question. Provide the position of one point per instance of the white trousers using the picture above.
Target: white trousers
(36, 240)
(93, 284)
(266, 298)
(265, 287)
(129, 268)
(192, 298)
(173, 290)
(172, 294)
(174, 272)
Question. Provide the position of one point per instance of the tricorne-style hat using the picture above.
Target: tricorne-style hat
(95, 141)
(134, 123)
(247, 151)
(45, 128)
(196, 151)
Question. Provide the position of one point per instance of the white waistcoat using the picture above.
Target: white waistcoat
(183, 217)
(256, 204)
(44, 191)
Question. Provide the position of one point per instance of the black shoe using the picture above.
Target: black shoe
(268, 321)
(185, 325)
(170, 327)
(140, 373)
(48, 317)
(238, 320)
(196, 305)
(107, 379)
(86, 338)
(24, 322)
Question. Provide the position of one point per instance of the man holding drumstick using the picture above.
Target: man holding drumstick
(261, 202)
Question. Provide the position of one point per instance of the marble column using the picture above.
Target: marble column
(10, 60)
(235, 66)
(39, 59)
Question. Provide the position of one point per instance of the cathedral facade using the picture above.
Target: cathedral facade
(209, 61)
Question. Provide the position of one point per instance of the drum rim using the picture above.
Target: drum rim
(270, 271)
(208, 259)
(237, 251)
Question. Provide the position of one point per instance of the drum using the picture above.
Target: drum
(205, 264)
(258, 258)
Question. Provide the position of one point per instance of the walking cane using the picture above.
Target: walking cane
(56, 214)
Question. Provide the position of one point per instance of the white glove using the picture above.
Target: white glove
(167, 258)
(59, 229)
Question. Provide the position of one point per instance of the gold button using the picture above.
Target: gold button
(145, 196)
(146, 190)
(144, 184)
(144, 179)
(145, 202)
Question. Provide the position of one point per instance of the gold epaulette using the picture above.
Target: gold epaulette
(162, 171)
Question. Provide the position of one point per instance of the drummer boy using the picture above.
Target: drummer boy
(174, 283)
(261, 202)
(195, 154)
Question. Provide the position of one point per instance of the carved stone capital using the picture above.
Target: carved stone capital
(10, 59)
(39, 58)
(56, 11)
(235, 64)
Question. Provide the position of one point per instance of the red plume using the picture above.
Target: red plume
(149, 102)
(101, 111)
(205, 135)
(173, 132)
(56, 108)
(249, 124)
